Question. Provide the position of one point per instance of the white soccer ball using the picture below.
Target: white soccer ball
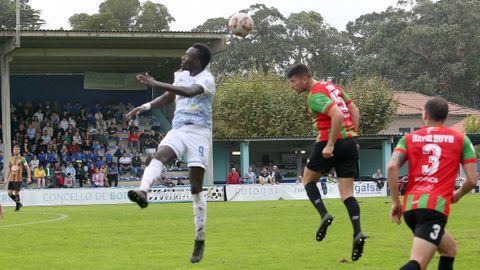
(240, 24)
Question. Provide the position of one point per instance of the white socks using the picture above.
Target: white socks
(152, 172)
(199, 215)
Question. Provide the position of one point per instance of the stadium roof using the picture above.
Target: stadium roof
(411, 103)
(71, 52)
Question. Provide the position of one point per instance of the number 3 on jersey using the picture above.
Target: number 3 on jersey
(434, 151)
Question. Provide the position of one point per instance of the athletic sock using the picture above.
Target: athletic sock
(314, 195)
(445, 263)
(411, 265)
(152, 172)
(199, 215)
(354, 213)
(13, 197)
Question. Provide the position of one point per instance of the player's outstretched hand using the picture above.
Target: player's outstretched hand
(146, 79)
(133, 113)
(396, 213)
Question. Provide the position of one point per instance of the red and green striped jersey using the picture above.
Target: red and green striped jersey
(434, 155)
(321, 99)
(16, 165)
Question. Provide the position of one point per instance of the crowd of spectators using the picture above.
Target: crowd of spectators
(73, 145)
(264, 177)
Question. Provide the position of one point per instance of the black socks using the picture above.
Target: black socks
(314, 195)
(354, 213)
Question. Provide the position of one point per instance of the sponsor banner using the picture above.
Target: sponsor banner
(183, 194)
(69, 196)
(297, 191)
(86, 196)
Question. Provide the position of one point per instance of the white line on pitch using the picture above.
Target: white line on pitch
(61, 217)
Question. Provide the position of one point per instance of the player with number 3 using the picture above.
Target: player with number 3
(433, 154)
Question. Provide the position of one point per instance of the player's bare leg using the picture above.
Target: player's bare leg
(422, 253)
(345, 186)
(153, 171)
(448, 251)
(199, 212)
(310, 179)
(1, 210)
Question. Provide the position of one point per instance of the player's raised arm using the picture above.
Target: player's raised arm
(355, 113)
(185, 91)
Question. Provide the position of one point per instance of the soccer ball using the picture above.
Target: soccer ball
(240, 24)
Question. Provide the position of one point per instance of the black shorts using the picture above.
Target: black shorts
(426, 224)
(14, 185)
(344, 160)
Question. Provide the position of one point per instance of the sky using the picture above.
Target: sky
(190, 14)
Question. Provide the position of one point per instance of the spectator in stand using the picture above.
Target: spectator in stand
(46, 139)
(73, 148)
(55, 119)
(137, 165)
(58, 178)
(125, 164)
(120, 152)
(40, 175)
(67, 107)
(143, 139)
(99, 163)
(77, 138)
(108, 157)
(34, 163)
(31, 132)
(96, 147)
(48, 128)
(80, 174)
(70, 170)
(102, 139)
(25, 147)
(134, 141)
(250, 177)
(112, 174)
(68, 183)
(42, 158)
(112, 134)
(233, 177)
(79, 157)
(49, 173)
(276, 176)
(98, 178)
(51, 157)
(264, 177)
(36, 124)
(64, 124)
(103, 170)
(39, 115)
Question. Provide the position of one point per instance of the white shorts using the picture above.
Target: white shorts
(191, 140)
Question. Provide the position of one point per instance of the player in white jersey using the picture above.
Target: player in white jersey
(193, 91)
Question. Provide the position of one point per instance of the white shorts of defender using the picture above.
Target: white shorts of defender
(192, 140)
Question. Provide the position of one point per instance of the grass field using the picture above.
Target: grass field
(250, 235)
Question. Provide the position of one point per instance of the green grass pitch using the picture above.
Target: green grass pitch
(240, 235)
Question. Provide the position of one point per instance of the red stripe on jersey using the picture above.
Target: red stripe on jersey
(329, 108)
(400, 150)
(470, 160)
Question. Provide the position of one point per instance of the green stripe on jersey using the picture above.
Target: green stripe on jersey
(402, 144)
(468, 150)
(440, 204)
(422, 202)
(409, 202)
(319, 102)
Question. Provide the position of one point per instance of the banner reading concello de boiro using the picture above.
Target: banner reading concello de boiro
(86, 196)
(297, 191)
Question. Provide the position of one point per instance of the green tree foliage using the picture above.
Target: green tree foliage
(29, 18)
(256, 105)
(374, 97)
(425, 46)
(124, 15)
(472, 124)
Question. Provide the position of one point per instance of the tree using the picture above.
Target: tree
(124, 15)
(258, 105)
(472, 124)
(375, 99)
(429, 47)
(29, 18)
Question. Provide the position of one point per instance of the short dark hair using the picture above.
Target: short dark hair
(436, 109)
(204, 53)
(298, 70)
(16, 145)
